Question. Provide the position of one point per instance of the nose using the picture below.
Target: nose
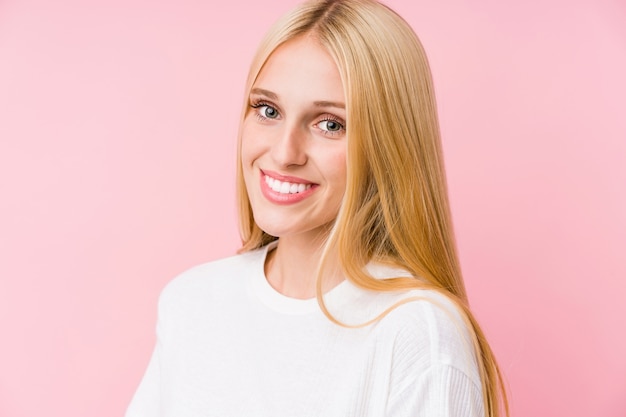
(289, 149)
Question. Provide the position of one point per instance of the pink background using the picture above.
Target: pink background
(117, 138)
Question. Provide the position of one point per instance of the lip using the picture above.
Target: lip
(284, 199)
(285, 178)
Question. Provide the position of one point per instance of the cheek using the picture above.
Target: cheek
(337, 168)
(249, 146)
(338, 179)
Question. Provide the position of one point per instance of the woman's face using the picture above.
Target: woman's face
(294, 141)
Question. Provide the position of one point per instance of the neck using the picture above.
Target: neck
(291, 268)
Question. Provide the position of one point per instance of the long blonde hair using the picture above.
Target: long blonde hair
(395, 209)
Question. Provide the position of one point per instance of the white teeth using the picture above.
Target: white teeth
(285, 187)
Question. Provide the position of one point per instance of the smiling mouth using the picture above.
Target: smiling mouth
(284, 187)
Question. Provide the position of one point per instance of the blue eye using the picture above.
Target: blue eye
(263, 110)
(330, 126)
(268, 111)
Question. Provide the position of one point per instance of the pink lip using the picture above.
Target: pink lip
(285, 178)
(284, 199)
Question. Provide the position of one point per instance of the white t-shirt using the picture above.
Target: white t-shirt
(230, 345)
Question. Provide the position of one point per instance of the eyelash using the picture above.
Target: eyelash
(327, 118)
(257, 105)
(331, 118)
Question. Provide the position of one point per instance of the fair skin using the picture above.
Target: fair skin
(294, 160)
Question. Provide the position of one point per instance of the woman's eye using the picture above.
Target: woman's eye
(268, 111)
(332, 126)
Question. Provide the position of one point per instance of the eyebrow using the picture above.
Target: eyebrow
(274, 96)
(263, 92)
(329, 104)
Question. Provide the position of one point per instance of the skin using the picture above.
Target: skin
(295, 130)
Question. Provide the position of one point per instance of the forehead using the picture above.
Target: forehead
(302, 66)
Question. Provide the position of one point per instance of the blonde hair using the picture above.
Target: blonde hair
(395, 208)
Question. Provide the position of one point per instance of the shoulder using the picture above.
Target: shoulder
(435, 369)
(212, 279)
(430, 331)
(427, 321)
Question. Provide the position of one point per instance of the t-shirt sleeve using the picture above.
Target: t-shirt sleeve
(145, 402)
(440, 391)
(434, 372)
(147, 399)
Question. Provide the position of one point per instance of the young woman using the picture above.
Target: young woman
(346, 298)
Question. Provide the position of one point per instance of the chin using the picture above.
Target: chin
(272, 227)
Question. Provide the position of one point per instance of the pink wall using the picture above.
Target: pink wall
(117, 138)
